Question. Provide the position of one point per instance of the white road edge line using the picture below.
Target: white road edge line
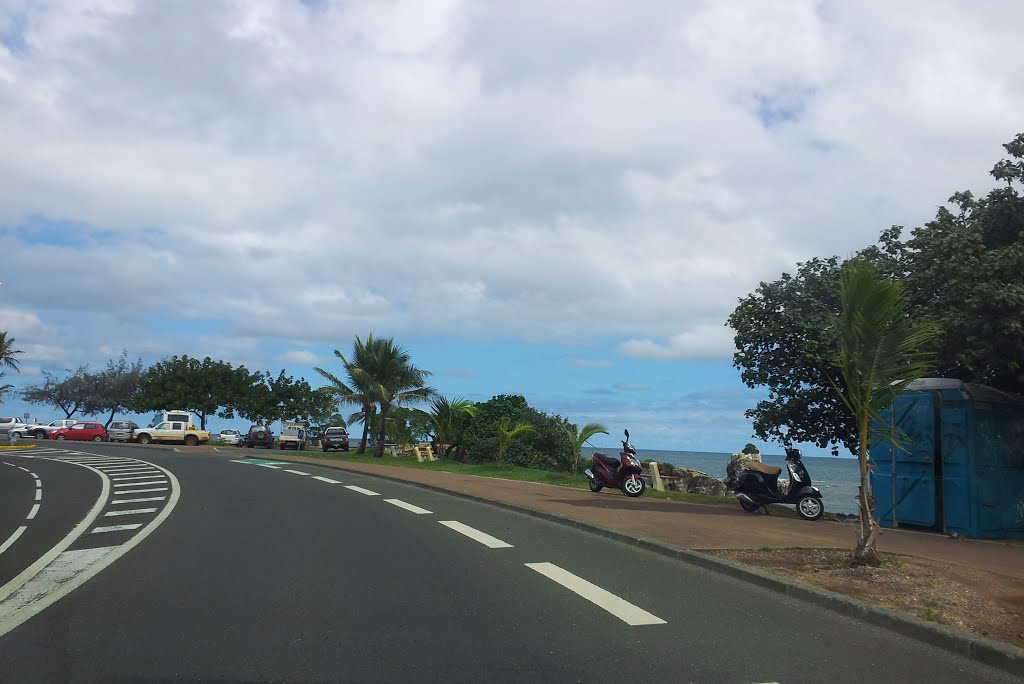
(476, 535)
(32, 513)
(367, 492)
(294, 472)
(13, 538)
(619, 607)
(326, 479)
(408, 506)
(98, 559)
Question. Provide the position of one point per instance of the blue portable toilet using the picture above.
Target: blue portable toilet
(962, 469)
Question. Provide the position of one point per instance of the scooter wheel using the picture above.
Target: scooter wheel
(749, 507)
(810, 507)
(594, 487)
(634, 486)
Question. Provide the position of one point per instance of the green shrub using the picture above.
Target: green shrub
(545, 446)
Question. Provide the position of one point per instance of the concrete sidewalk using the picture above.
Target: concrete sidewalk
(698, 526)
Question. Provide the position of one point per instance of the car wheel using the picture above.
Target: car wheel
(145, 439)
(191, 440)
(98, 438)
(40, 434)
(61, 438)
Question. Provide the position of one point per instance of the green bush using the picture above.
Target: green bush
(749, 449)
(546, 446)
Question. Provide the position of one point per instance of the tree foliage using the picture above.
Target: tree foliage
(577, 440)
(114, 388)
(961, 271)
(8, 360)
(69, 394)
(200, 386)
(546, 446)
(356, 388)
(448, 420)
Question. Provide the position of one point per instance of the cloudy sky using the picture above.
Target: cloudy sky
(562, 200)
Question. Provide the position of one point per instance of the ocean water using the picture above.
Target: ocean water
(837, 478)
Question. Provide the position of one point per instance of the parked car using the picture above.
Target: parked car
(229, 436)
(334, 438)
(82, 432)
(122, 431)
(41, 431)
(13, 426)
(293, 436)
(259, 435)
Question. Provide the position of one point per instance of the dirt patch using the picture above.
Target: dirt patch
(982, 603)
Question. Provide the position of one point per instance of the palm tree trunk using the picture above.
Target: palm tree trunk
(378, 450)
(366, 429)
(865, 553)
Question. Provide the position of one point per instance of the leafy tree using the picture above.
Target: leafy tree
(113, 388)
(448, 420)
(749, 449)
(357, 389)
(390, 380)
(961, 271)
(546, 446)
(200, 387)
(785, 341)
(578, 440)
(505, 434)
(880, 353)
(69, 394)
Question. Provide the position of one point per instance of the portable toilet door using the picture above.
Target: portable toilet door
(907, 481)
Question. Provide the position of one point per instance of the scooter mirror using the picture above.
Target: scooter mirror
(627, 434)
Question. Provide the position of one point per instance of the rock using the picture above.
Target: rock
(735, 466)
(696, 482)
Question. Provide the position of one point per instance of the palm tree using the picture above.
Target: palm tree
(7, 360)
(447, 418)
(389, 379)
(505, 435)
(880, 353)
(7, 352)
(353, 392)
(577, 440)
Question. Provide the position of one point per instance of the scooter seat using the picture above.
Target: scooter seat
(609, 461)
(762, 468)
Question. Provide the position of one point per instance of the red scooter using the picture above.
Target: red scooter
(621, 474)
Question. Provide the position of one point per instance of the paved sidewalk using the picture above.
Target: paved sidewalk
(699, 526)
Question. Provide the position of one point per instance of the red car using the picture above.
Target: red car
(82, 432)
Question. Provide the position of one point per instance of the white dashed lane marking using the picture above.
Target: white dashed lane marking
(263, 465)
(32, 513)
(294, 472)
(367, 492)
(408, 506)
(476, 535)
(326, 479)
(619, 607)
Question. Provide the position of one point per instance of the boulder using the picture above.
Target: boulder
(735, 465)
(696, 482)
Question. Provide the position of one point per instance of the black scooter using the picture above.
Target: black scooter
(758, 485)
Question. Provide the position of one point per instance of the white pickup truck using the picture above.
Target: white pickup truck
(172, 432)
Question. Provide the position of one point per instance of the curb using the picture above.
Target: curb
(987, 651)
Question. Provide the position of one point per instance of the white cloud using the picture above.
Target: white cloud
(299, 356)
(416, 168)
(592, 363)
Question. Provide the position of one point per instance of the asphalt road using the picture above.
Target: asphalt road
(261, 574)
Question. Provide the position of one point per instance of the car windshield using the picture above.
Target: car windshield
(335, 431)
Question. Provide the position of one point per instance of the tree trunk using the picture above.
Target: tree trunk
(378, 451)
(865, 553)
(366, 429)
(110, 420)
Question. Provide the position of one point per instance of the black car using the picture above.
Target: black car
(335, 438)
(259, 435)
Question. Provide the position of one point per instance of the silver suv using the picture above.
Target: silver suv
(122, 431)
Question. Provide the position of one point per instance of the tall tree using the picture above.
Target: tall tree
(880, 351)
(357, 389)
(391, 380)
(200, 387)
(69, 394)
(114, 388)
(578, 439)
